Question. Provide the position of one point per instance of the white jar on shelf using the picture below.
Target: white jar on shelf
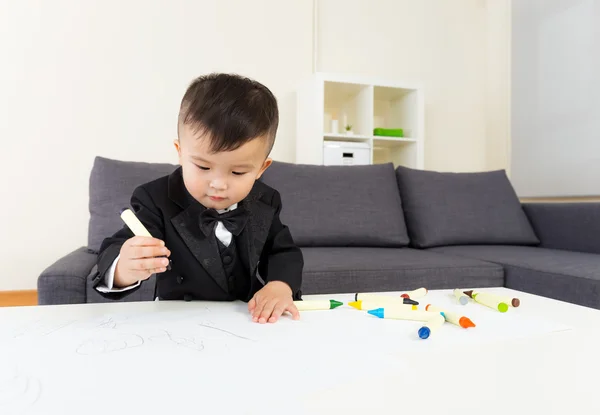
(335, 127)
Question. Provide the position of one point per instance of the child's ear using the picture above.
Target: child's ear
(178, 148)
(264, 167)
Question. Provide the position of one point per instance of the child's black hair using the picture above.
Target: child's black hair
(230, 110)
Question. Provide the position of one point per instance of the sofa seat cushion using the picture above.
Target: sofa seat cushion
(462, 209)
(340, 205)
(563, 275)
(329, 270)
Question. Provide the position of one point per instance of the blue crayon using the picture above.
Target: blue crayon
(433, 320)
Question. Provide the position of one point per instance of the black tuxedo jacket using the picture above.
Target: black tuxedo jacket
(170, 213)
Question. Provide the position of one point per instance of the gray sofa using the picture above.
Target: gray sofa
(376, 228)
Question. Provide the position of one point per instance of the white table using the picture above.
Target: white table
(167, 357)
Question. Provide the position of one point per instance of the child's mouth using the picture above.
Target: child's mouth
(216, 198)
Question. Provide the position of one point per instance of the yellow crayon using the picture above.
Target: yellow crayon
(372, 304)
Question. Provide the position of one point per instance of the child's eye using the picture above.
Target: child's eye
(202, 168)
(238, 173)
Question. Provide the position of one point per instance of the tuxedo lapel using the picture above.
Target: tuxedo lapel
(252, 239)
(204, 249)
(186, 223)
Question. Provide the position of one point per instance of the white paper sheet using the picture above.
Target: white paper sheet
(210, 356)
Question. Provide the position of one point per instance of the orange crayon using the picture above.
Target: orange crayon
(453, 318)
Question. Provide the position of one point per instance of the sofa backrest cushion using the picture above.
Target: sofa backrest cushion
(462, 209)
(112, 183)
(339, 205)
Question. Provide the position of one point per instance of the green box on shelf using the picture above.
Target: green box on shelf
(388, 132)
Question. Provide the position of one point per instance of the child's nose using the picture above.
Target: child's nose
(218, 184)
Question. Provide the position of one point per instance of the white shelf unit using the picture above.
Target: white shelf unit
(366, 104)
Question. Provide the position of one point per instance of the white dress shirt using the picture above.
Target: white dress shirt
(108, 287)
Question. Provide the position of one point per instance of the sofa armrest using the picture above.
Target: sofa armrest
(64, 281)
(566, 226)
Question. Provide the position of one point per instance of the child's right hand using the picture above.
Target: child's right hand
(139, 260)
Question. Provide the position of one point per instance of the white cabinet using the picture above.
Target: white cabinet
(339, 153)
(327, 103)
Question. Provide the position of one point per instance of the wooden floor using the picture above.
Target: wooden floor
(18, 298)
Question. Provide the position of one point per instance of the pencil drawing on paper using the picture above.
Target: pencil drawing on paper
(190, 342)
(40, 328)
(108, 323)
(110, 345)
(18, 392)
(113, 341)
(210, 325)
(124, 341)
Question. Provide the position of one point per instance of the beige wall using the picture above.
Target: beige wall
(497, 85)
(86, 78)
(81, 79)
(441, 44)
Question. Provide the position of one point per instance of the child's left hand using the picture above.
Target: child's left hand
(271, 301)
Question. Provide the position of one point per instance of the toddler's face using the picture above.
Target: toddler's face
(218, 180)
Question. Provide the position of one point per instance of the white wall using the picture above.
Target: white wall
(86, 78)
(80, 79)
(555, 123)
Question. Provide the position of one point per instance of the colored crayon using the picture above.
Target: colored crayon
(490, 301)
(371, 304)
(418, 293)
(461, 296)
(511, 301)
(401, 314)
(451, 317)
(307, 305)
(138, 228)
(432, 325)
(386, 298)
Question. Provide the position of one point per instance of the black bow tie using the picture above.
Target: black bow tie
(234, 220)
